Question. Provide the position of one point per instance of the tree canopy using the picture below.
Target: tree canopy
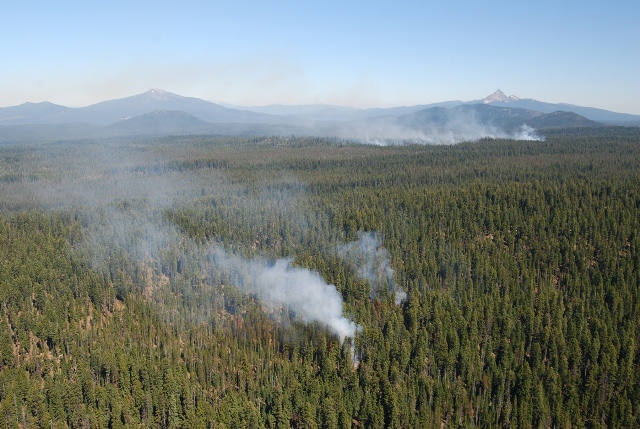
(520, 262)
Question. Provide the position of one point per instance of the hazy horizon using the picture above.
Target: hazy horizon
(353, 54)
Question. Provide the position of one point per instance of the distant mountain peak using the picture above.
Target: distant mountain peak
(160, 94)
(499, 96)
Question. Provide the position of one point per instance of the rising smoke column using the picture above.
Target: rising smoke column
(280, 283)
(372, 262)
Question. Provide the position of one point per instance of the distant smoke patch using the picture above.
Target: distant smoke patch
(373, 264)
(527, 133)
(464, 132)
(432, 126)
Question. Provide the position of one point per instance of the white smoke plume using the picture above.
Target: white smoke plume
(279, 283)
(373, 264)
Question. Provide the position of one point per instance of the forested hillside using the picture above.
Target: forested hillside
(164, 282)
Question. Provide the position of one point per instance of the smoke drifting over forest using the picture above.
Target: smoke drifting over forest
(124, 212)
(372, 262)
(199, 279)
(127, 192)
(440, 125)
(142, 231)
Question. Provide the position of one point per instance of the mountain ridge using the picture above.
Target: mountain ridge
(159, 112)
(110, 111)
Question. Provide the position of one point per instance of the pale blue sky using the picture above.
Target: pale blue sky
(356, 53)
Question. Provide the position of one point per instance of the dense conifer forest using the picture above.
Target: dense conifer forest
(140, 283)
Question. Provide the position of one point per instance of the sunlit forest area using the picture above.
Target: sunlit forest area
(174, 282)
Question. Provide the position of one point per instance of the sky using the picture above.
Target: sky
(351, 53)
